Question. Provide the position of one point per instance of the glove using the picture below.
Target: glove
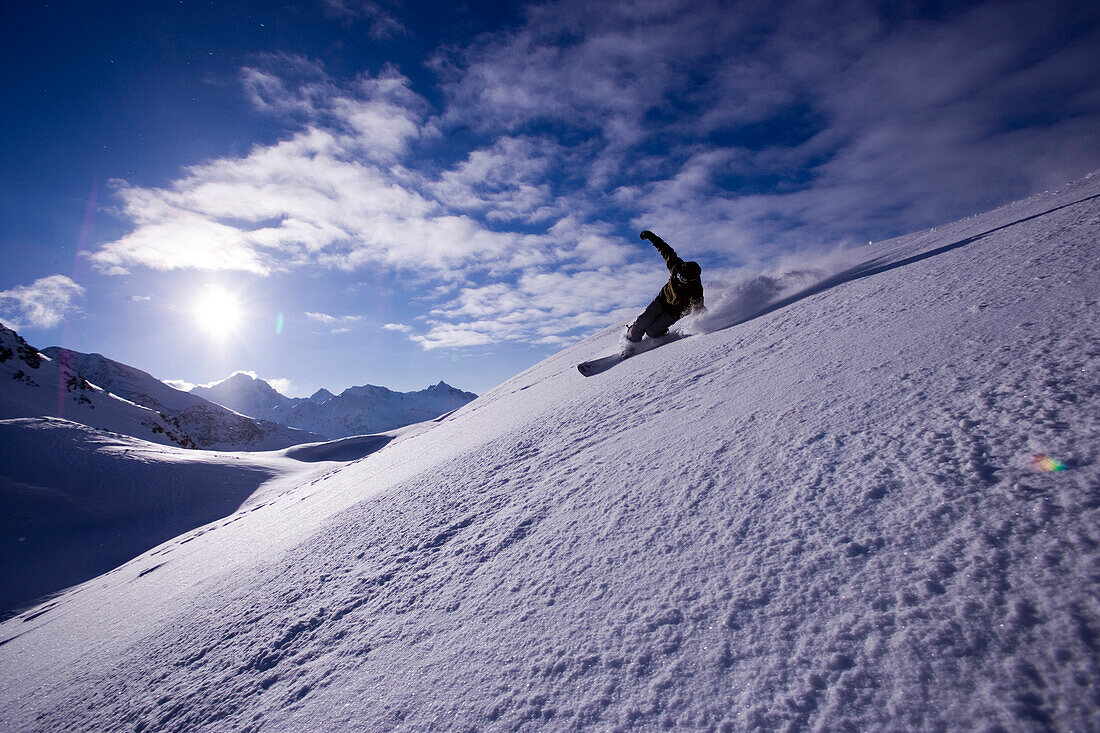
(646, 234)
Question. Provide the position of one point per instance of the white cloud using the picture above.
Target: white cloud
(328, 196)
(282, 386)
(180, 384)
(446, 335)
(551, 307)
(511, 180)
(330, 320)
(399, 327)
(382, 22)
(42, 304)
(745, 130)
(373, 117)
(340, 324)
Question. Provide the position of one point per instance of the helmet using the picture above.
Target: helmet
(688, 271)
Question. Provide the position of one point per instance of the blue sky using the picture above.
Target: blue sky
(401, 193)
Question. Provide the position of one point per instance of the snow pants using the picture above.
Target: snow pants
(653, 322)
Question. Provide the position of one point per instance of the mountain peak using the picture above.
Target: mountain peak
(321, 395)
(442, 389)
(246, 394)
(364, 389)
(244, 378)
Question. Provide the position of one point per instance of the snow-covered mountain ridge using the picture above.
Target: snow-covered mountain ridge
(361, 410)
(827, 516)
(206, 424)
(240, 413)
(34, 385)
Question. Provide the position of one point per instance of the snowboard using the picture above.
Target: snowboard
(598, 366)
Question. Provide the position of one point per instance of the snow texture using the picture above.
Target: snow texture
(821, 511)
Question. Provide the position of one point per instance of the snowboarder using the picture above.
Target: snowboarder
(682, 294)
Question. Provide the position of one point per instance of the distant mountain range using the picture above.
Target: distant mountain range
(240, 413)
(355, 411)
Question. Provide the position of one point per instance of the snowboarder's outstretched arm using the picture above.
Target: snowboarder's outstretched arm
(671, 258)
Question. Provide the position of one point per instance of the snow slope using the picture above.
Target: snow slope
(79, 501)
(208, 425)
(828, 516)
(363, 410)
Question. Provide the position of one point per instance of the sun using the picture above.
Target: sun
(218, 312)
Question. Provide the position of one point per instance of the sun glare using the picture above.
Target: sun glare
(218, 313)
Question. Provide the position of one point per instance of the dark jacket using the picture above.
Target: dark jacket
(677, 298)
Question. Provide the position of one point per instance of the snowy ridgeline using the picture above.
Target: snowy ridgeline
(240, 413)
(97, 392)
(355, 411)
(865, 498)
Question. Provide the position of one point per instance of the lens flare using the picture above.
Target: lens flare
(1043, 462)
